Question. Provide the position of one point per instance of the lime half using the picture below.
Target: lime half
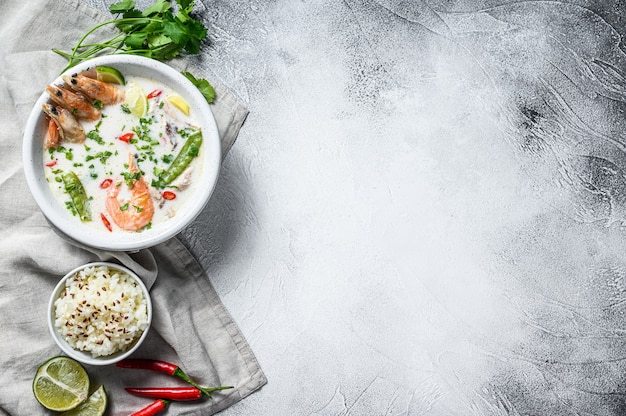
(179, 102)
(61, 384)
(95, 405)
(108, 74)
(136, 100)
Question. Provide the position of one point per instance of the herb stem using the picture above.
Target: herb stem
(83, 38)
(115, 43)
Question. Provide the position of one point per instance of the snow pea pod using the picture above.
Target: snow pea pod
(189, 151)
(75, 189)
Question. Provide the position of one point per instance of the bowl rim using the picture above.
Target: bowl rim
(124, 241)
(86, 357)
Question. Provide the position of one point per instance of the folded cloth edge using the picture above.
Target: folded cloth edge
(257, 378)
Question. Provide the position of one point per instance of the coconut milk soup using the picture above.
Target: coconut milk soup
(133, 166)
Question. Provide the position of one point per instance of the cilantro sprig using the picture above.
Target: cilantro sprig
(162, 31)
(158, 32)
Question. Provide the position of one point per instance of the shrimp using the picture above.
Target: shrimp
(52, 138)
(80, 106)
(139, 210)
(69, 128)
(94, 89)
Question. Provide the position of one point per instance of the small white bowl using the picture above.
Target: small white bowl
(32, 155)
(86, 357)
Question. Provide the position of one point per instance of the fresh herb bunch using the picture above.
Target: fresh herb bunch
(160, 32)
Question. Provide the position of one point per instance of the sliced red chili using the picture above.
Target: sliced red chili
(106, 183)
(153, 408)
(168, 393)
(52, 163)
(126, 137)
(106, 222)
(154, 93)
(169, 195)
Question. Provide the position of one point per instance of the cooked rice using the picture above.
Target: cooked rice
(102, 310)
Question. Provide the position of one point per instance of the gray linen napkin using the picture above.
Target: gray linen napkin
(191, 327)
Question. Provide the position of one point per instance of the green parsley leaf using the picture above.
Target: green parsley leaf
(136, 40)
(122, 6)
(203, 85)
(129, 177)
(186, 5)
(159, 7)
(94, 135)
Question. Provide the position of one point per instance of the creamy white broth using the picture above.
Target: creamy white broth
(157, 138)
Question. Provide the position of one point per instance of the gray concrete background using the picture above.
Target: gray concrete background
(424, 212)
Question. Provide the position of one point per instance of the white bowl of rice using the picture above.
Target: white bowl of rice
(99, 313)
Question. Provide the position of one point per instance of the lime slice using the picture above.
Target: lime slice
(61, 384)
(179, 102)
(108, 74)
(95, 405)
(136, 100)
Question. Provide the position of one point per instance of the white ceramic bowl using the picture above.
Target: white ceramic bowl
(59, 216)
(86, 357)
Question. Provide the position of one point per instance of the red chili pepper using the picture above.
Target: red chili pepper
(153, 408)
(169, 195)
(52, 163)
(154, 93)
(152, 365)
(126, 137)
(106, 183)
(168, 368)
(106, 222)
(168, 393)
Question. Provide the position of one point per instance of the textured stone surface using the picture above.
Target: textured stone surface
(424, 213)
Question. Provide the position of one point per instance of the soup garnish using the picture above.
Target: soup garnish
(121, 156)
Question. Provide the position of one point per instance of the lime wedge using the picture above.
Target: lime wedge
(179, 102)
(95, 405)
(108, 74)
(136, 100)
(61, 384)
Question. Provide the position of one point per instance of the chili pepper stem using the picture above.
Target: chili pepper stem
(171, 369)
(205, 390)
